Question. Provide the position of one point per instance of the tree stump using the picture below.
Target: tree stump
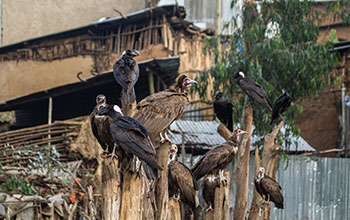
(174, 212)
(241, 203)
(269, 162)
(111, 189)
(162, 194)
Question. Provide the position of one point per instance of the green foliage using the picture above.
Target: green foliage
(19, 185)
(290, 59)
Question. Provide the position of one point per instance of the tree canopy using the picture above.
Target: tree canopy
(277, 47)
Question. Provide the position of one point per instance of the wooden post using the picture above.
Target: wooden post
(162, 184)
(241, 203)
(150, 81)
(227, 198)
(269, 162)
(111, 191)
(132, 196)
(174, 212)
(257, 200)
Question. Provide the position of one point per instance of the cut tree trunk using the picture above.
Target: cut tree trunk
(174, 212)
(111, 190)
(162, 184)
(269, 162)
(241, 203)
(132, 184)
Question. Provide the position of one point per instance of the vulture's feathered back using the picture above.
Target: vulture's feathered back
(126, 72)
(268, 188)
(223, 110)
(253, 90)
(157, 111)
(133, 138)
(217, 158)
(280, 106)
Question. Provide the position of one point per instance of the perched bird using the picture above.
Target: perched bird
(268, 188)
(253, 90)
(133, 138)
(223, 110)
(217, 159)
(126, 73)
(100, 126)
(157, 111)
(181, 182)
(280, 106)
(210, 183)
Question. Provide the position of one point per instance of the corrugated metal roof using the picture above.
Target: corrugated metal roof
(196, 134)
(203, 134)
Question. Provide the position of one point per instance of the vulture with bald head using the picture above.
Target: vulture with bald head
(268, 188)
(100, 127)
(181, 182)
(157, 111)
(253, 90)
(133, 138)
(217, 159)
(126, 73)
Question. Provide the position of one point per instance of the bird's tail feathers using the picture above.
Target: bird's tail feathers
(129, 96)
(151, 172)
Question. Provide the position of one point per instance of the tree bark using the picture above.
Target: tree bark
(241, 203)
(269, 162)
(162, 184)
(111, 190)
(174, 212)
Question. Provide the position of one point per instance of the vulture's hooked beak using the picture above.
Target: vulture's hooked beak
(190, 81)
(135, 53)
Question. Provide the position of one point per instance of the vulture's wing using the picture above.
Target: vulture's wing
(255, 91)
(185, 181)
(133, 72)
(132, 134)
(272, 187)
(157, 111)
(95, 130)
(120, 73)
(211, 160)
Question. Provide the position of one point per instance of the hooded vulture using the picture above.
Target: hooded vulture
(268, 188)
(253, 90)
(217, 159)
(157, 111)
(133, 138)
(210, 183)
(280, 106)
(100, 126)
(223, 110)
(126, 73)
(181, 181)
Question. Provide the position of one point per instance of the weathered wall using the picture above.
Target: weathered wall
(23, 19)
(25, 77)
(319, 124)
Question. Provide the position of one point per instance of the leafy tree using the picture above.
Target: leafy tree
(277, 47)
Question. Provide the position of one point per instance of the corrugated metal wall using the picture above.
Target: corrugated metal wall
(314, 188)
